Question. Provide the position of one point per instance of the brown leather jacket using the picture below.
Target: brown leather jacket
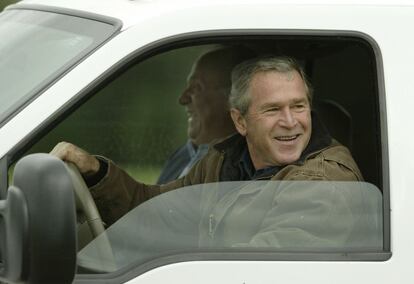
(314, 204)
(117, 192)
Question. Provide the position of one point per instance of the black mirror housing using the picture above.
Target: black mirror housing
(38, 229)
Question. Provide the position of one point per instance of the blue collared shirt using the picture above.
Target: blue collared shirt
(195, 155)
(248, 172)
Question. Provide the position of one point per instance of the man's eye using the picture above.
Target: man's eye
(271, 110)
(299, 107)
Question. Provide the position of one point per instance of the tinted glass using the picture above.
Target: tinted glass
(279, 216)
(37, 47)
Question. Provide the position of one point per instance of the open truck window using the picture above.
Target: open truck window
(133, 117)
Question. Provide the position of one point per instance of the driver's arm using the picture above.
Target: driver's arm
(114, 191)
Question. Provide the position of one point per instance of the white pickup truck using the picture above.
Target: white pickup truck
(106, 75)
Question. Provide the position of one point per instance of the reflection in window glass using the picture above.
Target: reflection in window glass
(288, 216)
(39, 46)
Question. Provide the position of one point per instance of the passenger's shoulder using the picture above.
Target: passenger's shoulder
(337, 156)
(339, 153)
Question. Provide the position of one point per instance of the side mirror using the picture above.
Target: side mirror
(38, 223)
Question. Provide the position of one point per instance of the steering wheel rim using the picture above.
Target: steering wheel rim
(85, 202)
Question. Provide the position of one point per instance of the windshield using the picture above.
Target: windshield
(271, 216)
(36, 48)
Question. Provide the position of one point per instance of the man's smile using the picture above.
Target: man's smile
(287, 138)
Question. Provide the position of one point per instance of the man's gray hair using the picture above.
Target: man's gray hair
(243, 73)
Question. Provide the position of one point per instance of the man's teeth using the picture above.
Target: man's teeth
(286, 138)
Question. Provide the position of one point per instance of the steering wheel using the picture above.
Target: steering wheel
(90, 224)
(85, 205)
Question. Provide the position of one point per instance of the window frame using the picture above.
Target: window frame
(206, 37)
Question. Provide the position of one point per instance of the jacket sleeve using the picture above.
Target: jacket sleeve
(117, 192)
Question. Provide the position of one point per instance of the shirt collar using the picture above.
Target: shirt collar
(195, 151)
(248, 172)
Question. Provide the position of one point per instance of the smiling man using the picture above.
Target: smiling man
(279, 138)
(277, 125)
(205, 99)
(271, 108)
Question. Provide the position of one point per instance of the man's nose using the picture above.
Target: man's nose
(287, 118)
(185, 98)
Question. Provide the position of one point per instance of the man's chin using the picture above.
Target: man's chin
(193, 137)
(283, 160)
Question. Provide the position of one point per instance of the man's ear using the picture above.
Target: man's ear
(239, 121)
